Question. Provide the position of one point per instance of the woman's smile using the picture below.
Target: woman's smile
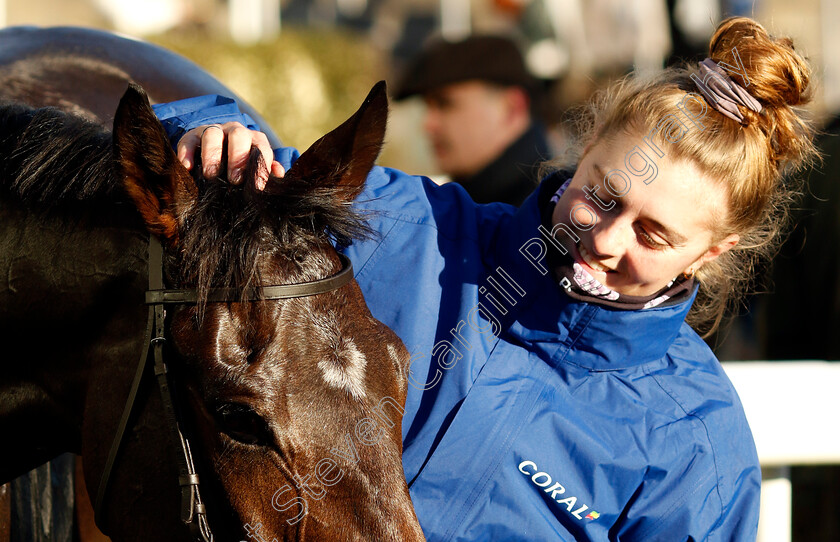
(589, 260)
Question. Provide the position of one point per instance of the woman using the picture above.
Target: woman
(558, 388)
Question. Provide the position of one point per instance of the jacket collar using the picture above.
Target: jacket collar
(585, 334)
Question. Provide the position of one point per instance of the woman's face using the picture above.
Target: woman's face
(637, 242)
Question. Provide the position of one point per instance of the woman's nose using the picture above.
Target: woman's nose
(609, 237)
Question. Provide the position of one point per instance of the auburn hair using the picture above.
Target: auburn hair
(753, 160)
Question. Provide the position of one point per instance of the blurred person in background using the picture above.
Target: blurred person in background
(480, 116)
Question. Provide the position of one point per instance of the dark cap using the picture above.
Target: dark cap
(494, 59)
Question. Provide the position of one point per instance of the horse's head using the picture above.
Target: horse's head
(294, 406)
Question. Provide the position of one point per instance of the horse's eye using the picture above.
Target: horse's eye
(241, 423)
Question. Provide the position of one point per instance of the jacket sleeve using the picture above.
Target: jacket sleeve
(425, 202)
(711, 494)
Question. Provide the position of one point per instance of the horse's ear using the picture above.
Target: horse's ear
(343, 157)
(152, 175)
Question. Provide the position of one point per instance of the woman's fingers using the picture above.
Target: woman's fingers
(211, 139)
(239, 148)
(277, 169)
(260, 140)
(187, 145)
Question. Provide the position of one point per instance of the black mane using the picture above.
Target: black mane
(53, 158)
(231, 225)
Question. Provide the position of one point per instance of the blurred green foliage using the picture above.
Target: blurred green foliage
(305, 82)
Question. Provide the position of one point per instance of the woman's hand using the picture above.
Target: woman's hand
(210, 139)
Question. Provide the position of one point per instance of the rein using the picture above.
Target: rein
(193, 511)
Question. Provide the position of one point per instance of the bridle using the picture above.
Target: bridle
(193, 511)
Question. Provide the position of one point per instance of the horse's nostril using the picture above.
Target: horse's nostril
(241, 423)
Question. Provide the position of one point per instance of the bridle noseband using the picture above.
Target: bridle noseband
(193, 512)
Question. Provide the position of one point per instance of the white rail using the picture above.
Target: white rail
(791, 407)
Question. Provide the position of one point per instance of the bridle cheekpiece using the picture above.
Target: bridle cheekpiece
(193, 511)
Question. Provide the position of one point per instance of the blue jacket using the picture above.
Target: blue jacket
(531, 416)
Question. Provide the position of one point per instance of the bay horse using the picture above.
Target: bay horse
(291, 406)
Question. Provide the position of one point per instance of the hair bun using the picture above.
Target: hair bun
(777, 75)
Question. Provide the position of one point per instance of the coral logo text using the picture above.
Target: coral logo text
(544, 481)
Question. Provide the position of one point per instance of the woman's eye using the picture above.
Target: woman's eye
(651, 242)
(242, 423)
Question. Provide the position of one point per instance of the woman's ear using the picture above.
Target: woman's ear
(716, 250)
